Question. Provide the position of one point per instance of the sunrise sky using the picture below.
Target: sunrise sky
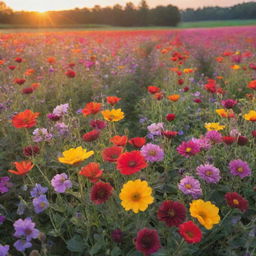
(46, 5)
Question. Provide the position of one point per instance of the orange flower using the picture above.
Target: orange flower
(35, 85)
(119, 140)
(158, 95)
(252, 85)
(51, 60)
(112, 100)
(2, 62)
(91, 108)
(22, 167)
(29, 72)
(174, 97)
(219, 59)
(92, 172)
(25, 119)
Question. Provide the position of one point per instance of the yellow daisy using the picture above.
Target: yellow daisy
(214, 126)
(250, 116)
(205, 212)
(113, 115)
(136, 196)
(75, 155)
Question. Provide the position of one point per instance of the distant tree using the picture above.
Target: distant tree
(130, 15)
(143, 13)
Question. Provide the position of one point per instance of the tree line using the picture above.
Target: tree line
(117, 15)
(239, 11)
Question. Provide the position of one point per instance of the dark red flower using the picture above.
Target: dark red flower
(242, 140)
(170, 117)
(70, 73)
(31, 150)
(228, 139)
(27, 90)
(98, 124)
(18, 60)
(185, 89)
(71, 65)
(229, 103)
(19, 81)
(197, 100)
(235, 200)
(180, 81)
(91, 136)
(53, 117)
(12, 67)
(147, 241)
(172, 213)
(190, 232)
(254, 134)
(138, 142)
(117, 235)
(101, 192)
(111, 154)
(169, 134)
(153, 89)
(131, 162)
(158, 95)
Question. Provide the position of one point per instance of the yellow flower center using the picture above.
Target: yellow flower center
(42, 204)
(188, 186)
(136, 197)
(188, 150)
(240, 169)
(208, 173)
(152, 152)
(236, 202)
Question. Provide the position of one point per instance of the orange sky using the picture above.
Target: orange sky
(45, 5)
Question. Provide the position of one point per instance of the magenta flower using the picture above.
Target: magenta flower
(214, 137)
(61, 183)
(152, 153)
(239, 168)
(190, 186)
(229, 103)
(188, 148)
(209, 173)
(203, 143)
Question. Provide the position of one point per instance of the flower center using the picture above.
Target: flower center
(190, 234)
(208, 173)
(202, 215)
(188, 150)
(101, 194)
(27, 231)
(42, 204)
(136, 197)
(152, 153)
(132, 164)
(240, 169)
(146, 242)
(171, 212)
(235, 201)
(188, 186)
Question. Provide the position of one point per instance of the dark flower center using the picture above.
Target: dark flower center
(101, 194)
(136, 197)
(27, 231)
(146, 241)
(132, 164)
(190, 234)
(171, 212)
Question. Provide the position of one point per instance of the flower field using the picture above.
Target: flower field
(128, 143)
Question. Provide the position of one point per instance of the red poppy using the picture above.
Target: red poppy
(12, 67)
(19, 81)
(228, 139)
(25, 119)
(190, 232)
(169, 134)
(172, 213)
(91, 108)
(92, 172)
(51, 60)
(18, 60)
(252, 85)
(242, 140)
(27, 90)
(138, 142)
(31, 151)
(111, 154)
(112, 100)
(235, 200)
(211, 86)
(119, 140)
(91, 136)
(22, 167)
(147, 241)
(131, 162)
(101, 192)
(170, 117)
(70, 73)
(153, 89)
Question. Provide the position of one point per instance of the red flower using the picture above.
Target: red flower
(185, 89)
(242, 140)
(170, 117)
(180, 81)
(131, 162)
(22, 167)
(111, 154)
(117, 235)
(158, 95)
(25, 119)
(101, 192)
(70, 73)
(172, 213)
(197, 100)
(190, 232)
(119, 140)
(27, 90)
(18, 60)
(91, 136)
(92, 172)
(153, 89)
(19, 81)
(91, 108)
(147, 241)
(228, 139)
(98, 124)
(254, 134)
(112, 100)
(211, 86)
(169, 134)
(235, 200)
(138, 142)
(252, 85)
(31, 150)
(12, 67)
(71, 65)
(229, 103)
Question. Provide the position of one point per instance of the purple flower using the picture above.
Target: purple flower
(156, 128)
(209, 173)
(203, 143)
(190, 186)
(152, 153)
(40, 203)
(25, 229)
(41, 134)
(4, 184)
(214, 137)
(38, 190)
(61, 110)
(60, 182)
(22, 245)
(2, 219)
(239, 168)
(61, 128)
(4, 249)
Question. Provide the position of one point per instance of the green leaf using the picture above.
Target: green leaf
(76, 244)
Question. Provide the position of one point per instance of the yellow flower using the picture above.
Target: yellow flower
(136, 196)
(75, 155)
(250, 116)
(113, 115)
(205, 212)
(214, 126)
(225, 113)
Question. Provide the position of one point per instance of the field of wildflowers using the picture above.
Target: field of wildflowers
(128, 143)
